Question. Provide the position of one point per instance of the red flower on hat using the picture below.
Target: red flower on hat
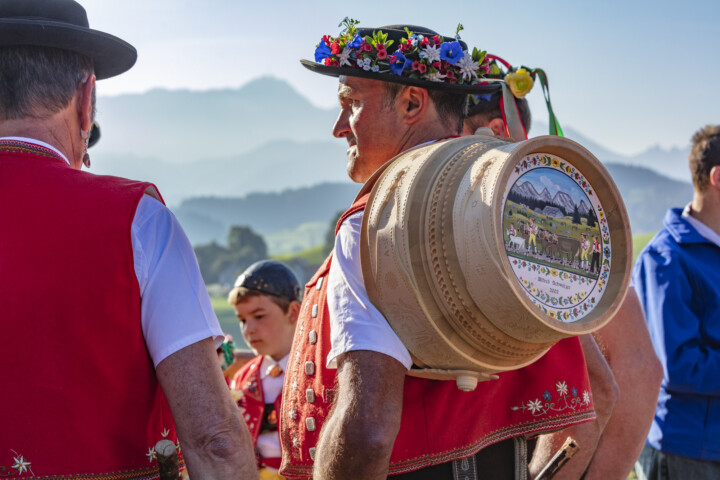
(366, 47)
(331, 63)
(437, 40)
(415, 65)
(334, 48)
(382, 54)
(425, 41)
(326, 39)
(422, 68)
(436, 65)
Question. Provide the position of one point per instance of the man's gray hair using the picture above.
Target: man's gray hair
(36, 82)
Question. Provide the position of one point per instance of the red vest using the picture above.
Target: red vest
(252, 403)
(80, 398)
(439, 423)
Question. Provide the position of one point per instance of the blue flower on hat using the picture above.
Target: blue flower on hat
(322, 51)
(451, 52)
(356, 41)
(401, 63)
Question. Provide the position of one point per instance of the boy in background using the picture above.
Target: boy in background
(266, 297)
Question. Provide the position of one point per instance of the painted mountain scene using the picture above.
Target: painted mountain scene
(556, 239)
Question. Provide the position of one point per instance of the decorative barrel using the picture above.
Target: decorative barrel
(482, 254)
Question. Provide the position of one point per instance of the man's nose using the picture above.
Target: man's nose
(341, 127)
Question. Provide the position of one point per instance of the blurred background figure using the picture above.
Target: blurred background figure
(677, 277)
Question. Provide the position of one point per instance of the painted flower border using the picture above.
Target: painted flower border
(541, 299)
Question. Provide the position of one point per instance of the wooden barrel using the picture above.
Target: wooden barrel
(482, 254)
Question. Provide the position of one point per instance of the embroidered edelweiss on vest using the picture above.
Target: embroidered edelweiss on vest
(540, 407)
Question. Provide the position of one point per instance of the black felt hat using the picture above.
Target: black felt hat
(400, 71)
(272, 278)
(63, 24)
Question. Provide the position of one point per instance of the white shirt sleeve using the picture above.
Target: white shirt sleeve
(176, 310)
(355, 323)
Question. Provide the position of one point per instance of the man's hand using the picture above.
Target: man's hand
(215, 441)
(358, 437)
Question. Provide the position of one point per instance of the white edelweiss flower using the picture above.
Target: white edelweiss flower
(151, 455)
(586, 397)
(345, 56)
(21, 465)
(562, 388)
(431, 52)
(435, 77)
(467, 66)
(534, 405)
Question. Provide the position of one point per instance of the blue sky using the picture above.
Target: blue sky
(627, 74)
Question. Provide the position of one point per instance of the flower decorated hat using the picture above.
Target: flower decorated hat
(405, 54)
(516, 83)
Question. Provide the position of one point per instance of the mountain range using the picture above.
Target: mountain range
(262, 154)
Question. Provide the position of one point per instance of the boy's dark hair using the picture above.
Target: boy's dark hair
(243, 294)
(704, 155)
(267, 277)
(451, 107)
(488, 108)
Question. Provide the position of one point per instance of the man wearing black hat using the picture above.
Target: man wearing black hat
(399, 88)
(121, 308)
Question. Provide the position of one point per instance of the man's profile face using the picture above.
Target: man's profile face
(372, 127)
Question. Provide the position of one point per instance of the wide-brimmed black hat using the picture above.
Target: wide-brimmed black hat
(336, 56)
(63, 24)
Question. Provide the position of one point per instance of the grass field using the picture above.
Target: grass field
(228, 321)
(639, 242)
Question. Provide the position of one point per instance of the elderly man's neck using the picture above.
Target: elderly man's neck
(60, 130)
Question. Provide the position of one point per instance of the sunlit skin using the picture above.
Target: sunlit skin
(265, 327)
(376, 130)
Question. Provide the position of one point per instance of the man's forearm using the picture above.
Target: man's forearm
(340, 456)
(625, 342)
(215, 441)
(357, 439)
(588, 434)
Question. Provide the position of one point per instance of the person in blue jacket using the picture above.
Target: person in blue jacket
(677, 277)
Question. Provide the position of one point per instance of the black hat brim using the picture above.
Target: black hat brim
(111, 55)
(388, 77)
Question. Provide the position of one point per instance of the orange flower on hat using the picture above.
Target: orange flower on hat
(520, 82)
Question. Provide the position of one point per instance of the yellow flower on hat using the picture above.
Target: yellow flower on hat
(520, 82)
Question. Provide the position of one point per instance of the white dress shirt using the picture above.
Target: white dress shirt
(355, 323)
(175, 307)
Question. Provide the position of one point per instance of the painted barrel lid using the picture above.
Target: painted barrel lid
(482, 254)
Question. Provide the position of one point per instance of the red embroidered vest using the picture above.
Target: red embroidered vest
(80, 398)
(439, 423)
(252, 403)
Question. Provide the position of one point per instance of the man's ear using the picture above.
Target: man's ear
(85, 105)
(415, 101)
(499, 128)
(293, 312)
(714, 179)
